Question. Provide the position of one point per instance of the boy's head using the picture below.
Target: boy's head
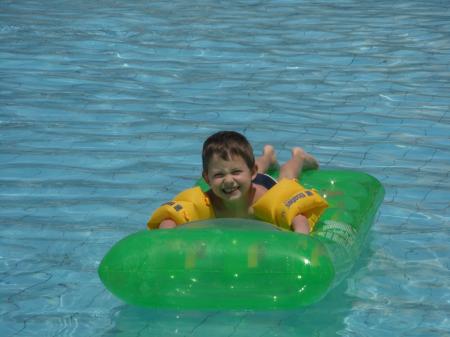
(226, 145)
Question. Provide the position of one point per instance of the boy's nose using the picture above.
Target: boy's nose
(228, 179)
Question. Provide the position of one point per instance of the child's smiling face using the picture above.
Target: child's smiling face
(230, 180)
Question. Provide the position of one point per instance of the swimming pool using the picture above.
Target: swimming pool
(103, 110)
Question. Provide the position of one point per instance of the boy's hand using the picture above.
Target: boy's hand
(300, 224)
(168, 223)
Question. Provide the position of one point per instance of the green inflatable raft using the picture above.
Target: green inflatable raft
(247, 264)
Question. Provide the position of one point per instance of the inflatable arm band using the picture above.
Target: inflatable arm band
(288, 199)
(190, 205)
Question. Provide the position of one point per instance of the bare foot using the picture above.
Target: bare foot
(268, 159)
(309, 162)
(269, 152)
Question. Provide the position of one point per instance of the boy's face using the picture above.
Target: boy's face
(230, 180)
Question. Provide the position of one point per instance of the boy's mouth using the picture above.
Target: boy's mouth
(230, 190)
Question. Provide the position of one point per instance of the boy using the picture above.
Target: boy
(238, 186)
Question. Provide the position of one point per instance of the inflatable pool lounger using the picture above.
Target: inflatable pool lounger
(247, 264)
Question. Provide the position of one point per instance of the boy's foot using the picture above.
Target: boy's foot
(309, 162)
(269, 153)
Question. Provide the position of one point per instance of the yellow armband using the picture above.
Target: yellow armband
(287, 199)
(189, 205)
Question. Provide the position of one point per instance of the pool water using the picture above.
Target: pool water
(103, 110)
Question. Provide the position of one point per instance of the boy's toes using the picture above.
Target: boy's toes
(309, 161)
(269, 151)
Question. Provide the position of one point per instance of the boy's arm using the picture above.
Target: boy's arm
(289, 205)
(189, 205)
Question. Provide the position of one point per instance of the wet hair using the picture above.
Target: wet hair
(227, 144)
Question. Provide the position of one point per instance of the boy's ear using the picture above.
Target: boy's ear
(254, 171)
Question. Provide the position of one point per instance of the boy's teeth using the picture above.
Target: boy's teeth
(228, 190)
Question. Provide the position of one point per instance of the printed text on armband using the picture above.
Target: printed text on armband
(176, 207)
(298, 196)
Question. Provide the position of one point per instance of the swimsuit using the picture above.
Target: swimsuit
(265, 180)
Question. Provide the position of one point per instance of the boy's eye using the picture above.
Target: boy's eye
(237, 171)
(218, 175)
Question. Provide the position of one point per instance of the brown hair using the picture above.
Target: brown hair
(227, 144)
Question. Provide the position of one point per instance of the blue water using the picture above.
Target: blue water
(104, 106)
